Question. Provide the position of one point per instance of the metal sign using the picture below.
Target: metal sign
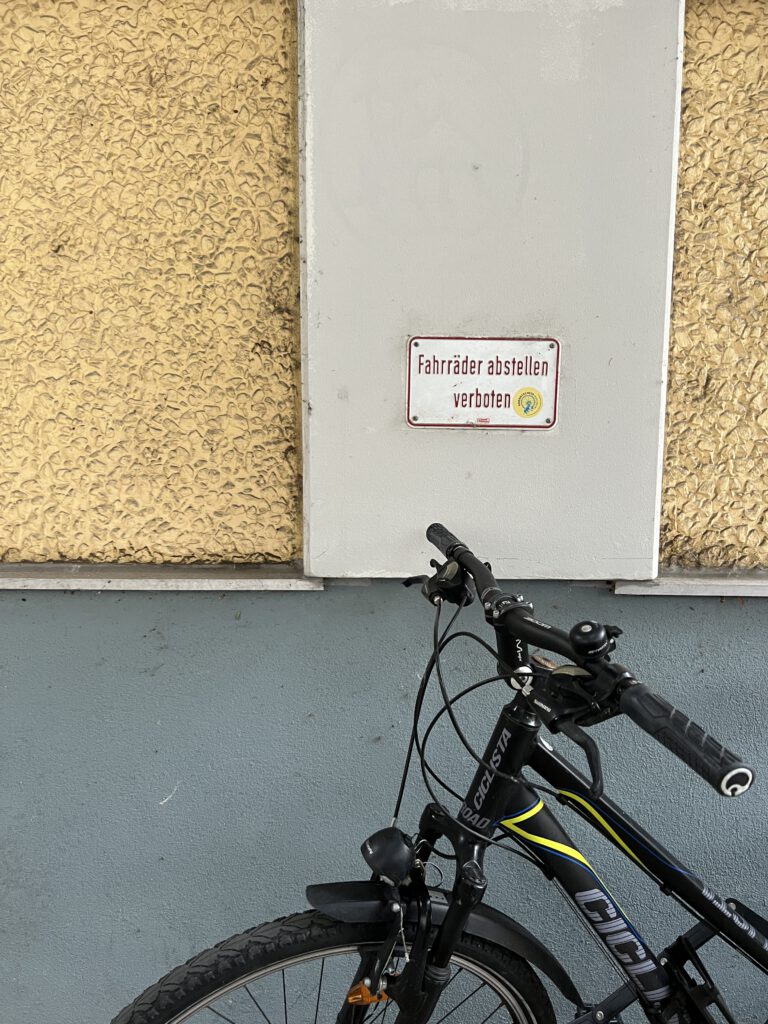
(483, 382)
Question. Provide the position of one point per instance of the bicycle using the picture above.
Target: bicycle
(433, 953)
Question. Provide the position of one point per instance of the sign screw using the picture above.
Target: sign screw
(415, 419)
(547, 420)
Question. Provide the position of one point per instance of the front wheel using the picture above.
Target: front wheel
(297, 970)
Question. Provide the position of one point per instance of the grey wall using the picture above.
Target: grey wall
(278, 723)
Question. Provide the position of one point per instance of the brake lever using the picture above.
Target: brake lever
(568, 728)
(413, 580)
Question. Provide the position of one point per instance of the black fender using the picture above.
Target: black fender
(371, 902)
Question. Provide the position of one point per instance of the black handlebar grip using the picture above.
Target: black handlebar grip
(723, 770)
(442, 539)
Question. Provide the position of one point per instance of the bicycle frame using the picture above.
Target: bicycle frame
(512, 805)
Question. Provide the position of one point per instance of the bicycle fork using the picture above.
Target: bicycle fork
(420, 986)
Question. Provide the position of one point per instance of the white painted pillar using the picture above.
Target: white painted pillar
(488, 169)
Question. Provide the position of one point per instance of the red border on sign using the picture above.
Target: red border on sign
(480, 426)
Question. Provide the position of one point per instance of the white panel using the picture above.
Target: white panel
(493, 168)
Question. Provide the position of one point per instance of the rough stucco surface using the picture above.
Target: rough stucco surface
(177, 767)
(148, 281)
(715, 504)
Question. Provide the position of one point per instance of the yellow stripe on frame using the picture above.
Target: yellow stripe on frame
(521, 817)
(550, 844)
(596, 814)
(511, 825)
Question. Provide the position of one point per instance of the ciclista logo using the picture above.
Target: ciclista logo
(477, 800)
(527, 402)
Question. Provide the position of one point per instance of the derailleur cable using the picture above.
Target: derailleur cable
(440, 642)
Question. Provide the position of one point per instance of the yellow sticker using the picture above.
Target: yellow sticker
(527, 402)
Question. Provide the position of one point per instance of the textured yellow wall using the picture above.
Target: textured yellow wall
(148, 280)
(149, 284)
(715, 504)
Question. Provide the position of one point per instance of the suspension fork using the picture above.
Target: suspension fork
(418, 989)
(511, 744)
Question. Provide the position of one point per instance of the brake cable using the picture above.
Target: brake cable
(454, 721)
(436, 719)
(440, 642)
(417, 714)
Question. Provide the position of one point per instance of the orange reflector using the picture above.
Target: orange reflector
(361, 995)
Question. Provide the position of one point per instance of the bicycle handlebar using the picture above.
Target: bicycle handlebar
(528, 629)
(717, 765)
(443, 539)
(452, 547)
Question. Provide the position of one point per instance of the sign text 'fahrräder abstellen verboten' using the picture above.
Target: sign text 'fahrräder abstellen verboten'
(483, 382)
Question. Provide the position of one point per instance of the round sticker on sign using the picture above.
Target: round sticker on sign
(527, 402)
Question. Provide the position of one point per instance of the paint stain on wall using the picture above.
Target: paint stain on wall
(148, 281)
(715, 500)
